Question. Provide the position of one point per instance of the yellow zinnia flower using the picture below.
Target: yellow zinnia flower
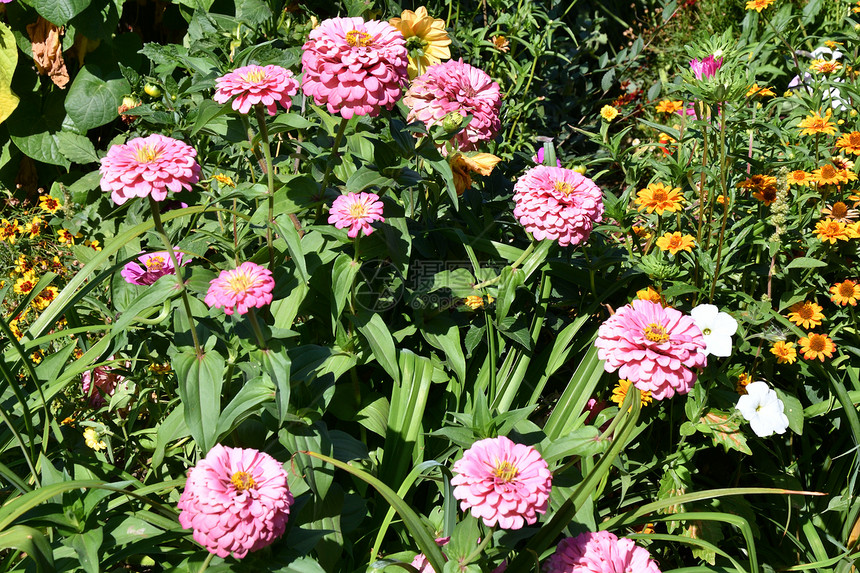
(818, 346)
(674, 242)
(669, 106)
(758, 5)
(815, 123)
(426, 39)
(93, 441)
(831, 231)
(784, 352)
(845, 293)
(806, 314)
(621, 389)
(658, 197)
(608, 112)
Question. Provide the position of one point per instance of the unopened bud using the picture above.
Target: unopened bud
(452, 121)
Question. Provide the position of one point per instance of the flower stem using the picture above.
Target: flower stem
(255, 326)
(516, 264)
(159, 227)
(330, 163)
(206, 563)
(479, 548)
(270, 179)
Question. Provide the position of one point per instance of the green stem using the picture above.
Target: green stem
(159, 227)
(206, 563)
(255, 326)
(270, 179)
(479, 548)
(723, 175)
(516, 264)
(330, 163)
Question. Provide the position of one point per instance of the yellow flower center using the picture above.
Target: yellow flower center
(563, 186)
(356, 38)
(254, 76)
(506, 471)
(155, 263)
(243, 481)
(239, 283)
(358, 210)
(147, 154)
(656, 332)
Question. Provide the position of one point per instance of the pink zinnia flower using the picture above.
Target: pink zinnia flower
(356, 211)
(456, 87)
(656, 348)
(247, 286)
(150, 267)
(558, 204)
(150, 166)
(502, 482)
(100, 382)
(705, 68)
(600, 552)
(354, 67)
(256, 84)
(236, 500)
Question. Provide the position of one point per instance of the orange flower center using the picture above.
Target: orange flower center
(846, 289)
(839, 210)
(656, 333)
(817, 343)
(674, 242)
(659, 195)
(254, 76)
(147, 154)
(563, 186)
(854, 139)
(356, 38)
(828, 172)
(243, 481)
(506, 471)
(832, 228)
(155, 263)
(805, 312)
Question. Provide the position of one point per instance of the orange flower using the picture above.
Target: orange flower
(651, 294)
(784, 352)
(825, 66)
(463, 166)
(839, 211)
(658, 197)
(669, 106)
(621, 389)
(674, 242)
(758, 5)
(806, 314)
(845, 293)
(743, 381)
(850, 142)
(759, 91)
(830, 231)
(65, 236)
(767, 195)
(49, 204)
(829, 175)
(815, 123)
(799, 177)
(501, 43)
(818, 346)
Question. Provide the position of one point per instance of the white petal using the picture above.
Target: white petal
(719, 345)
(723, 323)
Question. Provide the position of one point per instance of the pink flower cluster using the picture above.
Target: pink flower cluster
(236, 500)
(255, 84)
(356, 211)
(148, 166)
(247, 286)
(354, 67)
(150, 267)
(100, 383)
(600, 552)
(706, 67)
(456, 87)
(558, 204)
(502, 482)
(656, 348)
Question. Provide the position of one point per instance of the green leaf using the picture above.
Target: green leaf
(8, 61)
(444, 169)
(580, 442)
(725, 431)
(417, 530)
(15, 508)
(366, 177)
(87, 545)
(77, 148)
(200, 381)
(793, 411)
(342, 277)
(35, 124)
(376, 332)
(276, 364)
(33, 543)
(805, 263)
(94, 97)
(59, 12)
(252, 394)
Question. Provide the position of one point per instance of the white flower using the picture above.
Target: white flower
(717, 327)
(763, 409)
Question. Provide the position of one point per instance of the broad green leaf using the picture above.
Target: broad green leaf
(342, 278)
(276, 363)
(200, 380)
(366, 177)
(580, 442)
(94, 97)
(310, 438)
(376, 332)
(725, 431)
(59, 12)
(15, 508)
(244, 403)
(793, 411)
(35, 124)
(87, 545)
(804, 263)
(8, 61)
(33, 543)
(445, 336)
